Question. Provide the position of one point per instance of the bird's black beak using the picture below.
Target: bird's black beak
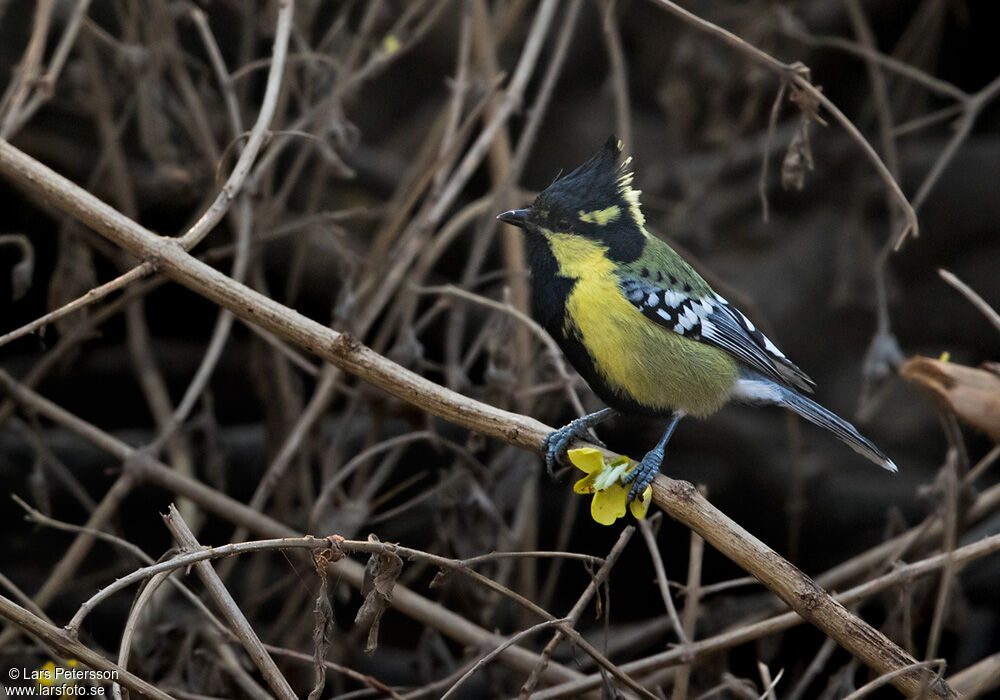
(516, 217)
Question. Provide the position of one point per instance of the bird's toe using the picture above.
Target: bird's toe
(555, 445)
(644, 473)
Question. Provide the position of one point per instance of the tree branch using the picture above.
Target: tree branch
(679, 499)
(65, 645)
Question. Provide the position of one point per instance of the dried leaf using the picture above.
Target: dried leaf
(381, 572)
(806, 101)
(972, 394)
(798, 158)
(334, 552)
(324, 623)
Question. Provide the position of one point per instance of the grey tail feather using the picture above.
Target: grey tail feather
(814, 413)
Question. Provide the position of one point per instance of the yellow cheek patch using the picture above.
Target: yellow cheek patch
(601, 217)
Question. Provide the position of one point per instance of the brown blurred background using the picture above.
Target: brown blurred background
(372, 96)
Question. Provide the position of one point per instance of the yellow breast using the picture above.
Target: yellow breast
(638, 359)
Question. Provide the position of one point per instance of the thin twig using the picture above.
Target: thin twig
(884, 680)
(574, 617)
(772, 123)
(796, 74)
(185, 560)
(66, 646)
(214, 214)
(969, 293)
(711, 645)
(487, 658)
(952, 523)
(646, 528)
(230, 610)
(689, 617)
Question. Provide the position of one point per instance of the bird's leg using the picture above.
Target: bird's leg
(556, 442)
(643, 475)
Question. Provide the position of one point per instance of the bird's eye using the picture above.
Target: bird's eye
(562, 223)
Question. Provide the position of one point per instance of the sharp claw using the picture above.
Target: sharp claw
(557, 442)
(555, 445)
(638, 486)
(549, 460)
(555, 448)
(644, 473)
(634, 492)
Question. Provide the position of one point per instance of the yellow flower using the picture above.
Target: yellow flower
(49, 676)
(603, 479)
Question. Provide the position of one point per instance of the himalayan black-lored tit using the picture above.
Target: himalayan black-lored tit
(645, 331)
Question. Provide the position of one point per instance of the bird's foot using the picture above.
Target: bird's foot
(557, 442)
(644, 473)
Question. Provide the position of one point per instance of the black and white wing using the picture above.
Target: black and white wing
(712, 320)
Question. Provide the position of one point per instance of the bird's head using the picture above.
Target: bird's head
(594, 200)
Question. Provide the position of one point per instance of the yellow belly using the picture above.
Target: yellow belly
(638, 359)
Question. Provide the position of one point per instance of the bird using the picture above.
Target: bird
(646, 332)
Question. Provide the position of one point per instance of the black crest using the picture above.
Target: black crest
(596, 184)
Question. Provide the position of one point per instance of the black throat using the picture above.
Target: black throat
(549, 289)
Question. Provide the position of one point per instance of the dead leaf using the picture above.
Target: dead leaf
(324, 623)
(798, 158)
(972, 394)
(381, 572)
(807, 102)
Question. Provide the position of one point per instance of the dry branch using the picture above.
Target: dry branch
(230, 609)
(230, 189)
(726, 640)
(64, 645)
(142, 468)
(681, 500)
(797, 74)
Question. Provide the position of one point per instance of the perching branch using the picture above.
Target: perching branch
(679, 499)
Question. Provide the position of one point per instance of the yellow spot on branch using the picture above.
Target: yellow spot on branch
(390, 44)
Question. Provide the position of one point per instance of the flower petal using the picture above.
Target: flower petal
(585, 485)
(640, 506)
(586, 459)
(609, 505)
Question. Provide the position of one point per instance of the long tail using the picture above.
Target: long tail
(753, 388)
